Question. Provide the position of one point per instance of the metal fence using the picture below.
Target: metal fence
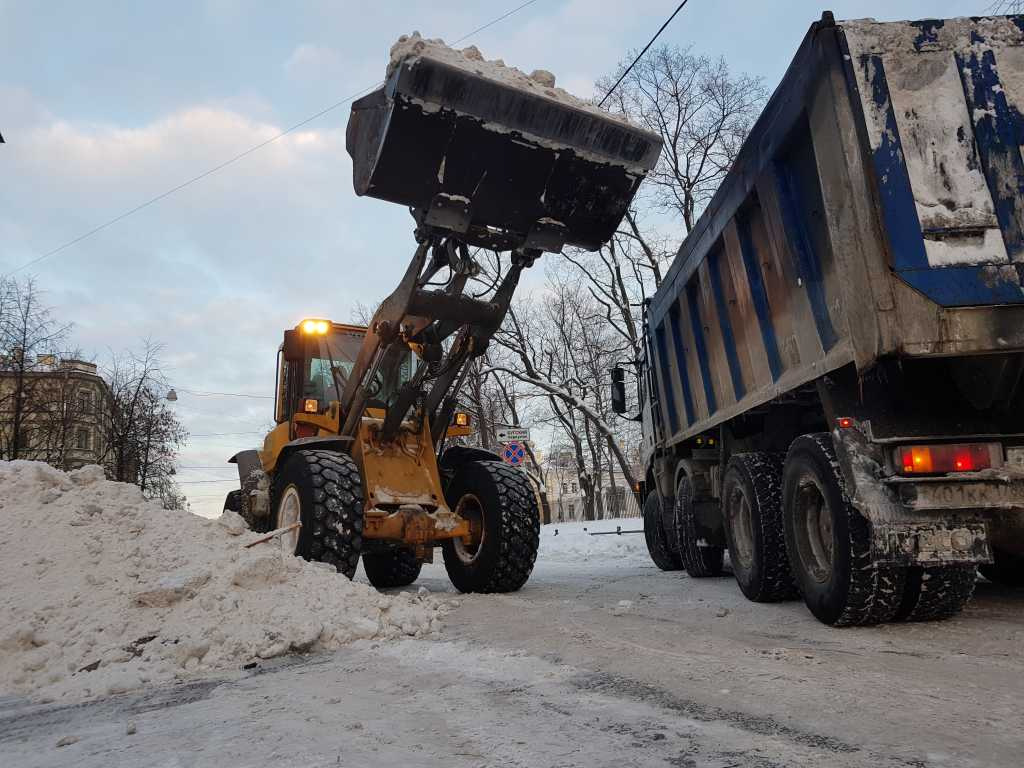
(618, 502)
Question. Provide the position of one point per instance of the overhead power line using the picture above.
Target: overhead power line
(235, 158)
(230, 434)
(641, 54)
(222, 394)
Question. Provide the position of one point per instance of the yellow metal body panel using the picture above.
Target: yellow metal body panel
(401, 482)
(403, 471)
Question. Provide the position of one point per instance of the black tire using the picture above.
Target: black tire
(752, 513)
(829, 541)
(699, 560)
(233, 501)
(657, 540)
(1007, 569)
(330, 498)
(498, 498)
(938, 592)
(395, 567)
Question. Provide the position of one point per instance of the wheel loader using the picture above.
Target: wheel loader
(361, 463)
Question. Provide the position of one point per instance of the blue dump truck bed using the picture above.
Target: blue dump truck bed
(874, 210)
(832, 386)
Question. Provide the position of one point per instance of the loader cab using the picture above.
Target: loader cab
(314, 363)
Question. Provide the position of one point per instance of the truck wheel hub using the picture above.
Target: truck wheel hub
(813, 526)
(470, 509)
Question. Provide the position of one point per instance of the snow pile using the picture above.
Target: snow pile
(573, 542)
(104, 591)
(540, 81)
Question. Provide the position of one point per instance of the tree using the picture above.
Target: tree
(701, 111)
(28, 332)
(141, 435)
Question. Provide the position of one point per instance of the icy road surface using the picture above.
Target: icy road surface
(602, 660)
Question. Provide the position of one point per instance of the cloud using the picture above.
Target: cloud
(310, 61)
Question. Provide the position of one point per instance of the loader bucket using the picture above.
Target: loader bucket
(500, 166)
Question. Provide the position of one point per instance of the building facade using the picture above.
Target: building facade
(62, 404)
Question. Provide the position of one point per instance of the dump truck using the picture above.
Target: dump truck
(831, 388)
(362, 462)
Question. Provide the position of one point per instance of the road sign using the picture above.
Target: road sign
(512, 434)
(513, 453)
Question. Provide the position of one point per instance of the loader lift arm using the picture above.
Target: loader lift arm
(415, 316)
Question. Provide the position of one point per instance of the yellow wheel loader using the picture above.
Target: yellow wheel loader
(359, 463)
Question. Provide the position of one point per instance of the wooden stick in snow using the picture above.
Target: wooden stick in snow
(274, 534)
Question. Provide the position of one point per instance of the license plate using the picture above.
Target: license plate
(966, 495)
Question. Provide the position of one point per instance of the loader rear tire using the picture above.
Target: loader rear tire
(396, 567)
(752, 512)
(700, 560)
(657, 540)
(829, 541)
(936, 593)
(326, 489)
(233, 501)
(502, 508)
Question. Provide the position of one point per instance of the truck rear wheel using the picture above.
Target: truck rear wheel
(502, 510)
(1006, 569)
(396, 567)
(321, 490)
(699, 559)
(936, 593)
(829, 541)
(654, 533)
(752, 511)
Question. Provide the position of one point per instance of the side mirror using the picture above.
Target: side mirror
(618, 390)
(294, 347)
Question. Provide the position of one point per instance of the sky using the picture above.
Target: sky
(105, 105)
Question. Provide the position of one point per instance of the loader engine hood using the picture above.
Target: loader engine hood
(497, 158)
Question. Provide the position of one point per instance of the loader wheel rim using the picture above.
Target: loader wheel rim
(470, 508)
(741, 524)
(289, 512)
(813, 527)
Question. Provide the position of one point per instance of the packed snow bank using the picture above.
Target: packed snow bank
(573, 542)
(540, 81)
(104, 591)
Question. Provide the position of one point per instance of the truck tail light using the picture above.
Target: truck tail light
(938, 459)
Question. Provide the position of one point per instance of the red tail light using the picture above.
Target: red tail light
(938, 459)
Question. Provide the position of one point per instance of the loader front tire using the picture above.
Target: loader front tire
(501, 506)
(396, 567)
(321, 490)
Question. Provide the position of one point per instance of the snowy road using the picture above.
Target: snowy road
(599, 661)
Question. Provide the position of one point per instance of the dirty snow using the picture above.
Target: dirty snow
(574, 542)
(540, 81)
(935, 127)
(107, 592)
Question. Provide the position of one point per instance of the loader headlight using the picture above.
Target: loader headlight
(310, 405)
(315, 327)
(461, 419)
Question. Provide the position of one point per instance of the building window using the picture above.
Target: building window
(85, 402)
(565, 488)
(575, 489)
(83, 439)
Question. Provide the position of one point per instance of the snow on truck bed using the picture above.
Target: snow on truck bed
(104, 591)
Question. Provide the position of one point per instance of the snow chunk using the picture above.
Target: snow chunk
(409, 48)
(106, 592)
